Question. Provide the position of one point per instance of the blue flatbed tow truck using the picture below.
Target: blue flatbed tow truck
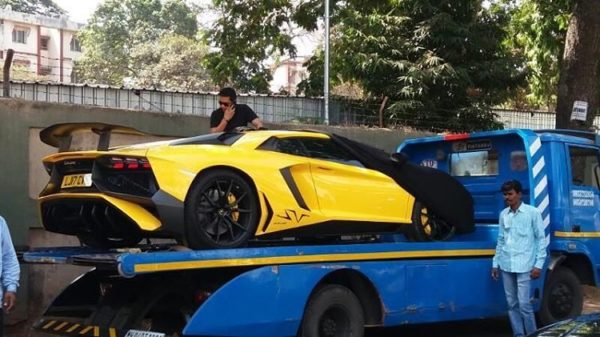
(340, 287)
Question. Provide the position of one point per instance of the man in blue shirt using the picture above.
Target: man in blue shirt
(520, 256)
(9, 273)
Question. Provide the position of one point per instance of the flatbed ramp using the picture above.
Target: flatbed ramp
(131, 262)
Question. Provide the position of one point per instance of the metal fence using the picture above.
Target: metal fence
(531, 119)
(272, 109)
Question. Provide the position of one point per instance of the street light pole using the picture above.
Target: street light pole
(326, 71)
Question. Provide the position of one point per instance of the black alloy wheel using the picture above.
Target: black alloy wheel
(221, 211)
(427, 226)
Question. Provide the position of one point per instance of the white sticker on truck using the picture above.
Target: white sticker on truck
(582, 198)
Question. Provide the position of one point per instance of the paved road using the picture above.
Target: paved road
(476, 328)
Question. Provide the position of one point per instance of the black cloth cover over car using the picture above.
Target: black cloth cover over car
(441, 193)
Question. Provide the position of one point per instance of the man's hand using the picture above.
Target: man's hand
(495, 274)
(9, 301)
(535, 273)
(229, 112)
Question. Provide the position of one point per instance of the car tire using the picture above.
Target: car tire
(333, 310)
(221, 211)
(426, 226)
(563, 296)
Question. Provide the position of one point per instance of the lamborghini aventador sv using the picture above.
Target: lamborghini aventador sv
(222, 190)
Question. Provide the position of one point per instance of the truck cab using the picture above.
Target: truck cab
(560, 176)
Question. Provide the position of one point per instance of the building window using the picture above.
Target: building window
(75, 46)
(44, 40)
(1, 54)
(19, 35)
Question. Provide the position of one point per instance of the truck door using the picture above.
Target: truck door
(584, 189)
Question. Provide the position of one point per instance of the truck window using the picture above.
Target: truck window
(584, 163)
(476, 163)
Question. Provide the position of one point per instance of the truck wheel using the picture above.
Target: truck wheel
(333, 311)
(221, 211)
(563, 296)
(426, 226)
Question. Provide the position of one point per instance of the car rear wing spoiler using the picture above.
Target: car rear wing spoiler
(60, 135)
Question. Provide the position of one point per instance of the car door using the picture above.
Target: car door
(347, 190)
(584, 183)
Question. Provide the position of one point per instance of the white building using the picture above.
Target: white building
(45, 46)
(287, 75)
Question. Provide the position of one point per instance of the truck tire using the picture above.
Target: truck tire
(426, 226)
(221, 211)
(563, 297)
(333, 311)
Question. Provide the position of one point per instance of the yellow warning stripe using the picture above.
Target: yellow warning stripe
(150, 267)
(71, 329)
(577, 234)
(48, 325)
(60, 326)
(84, 331)
(112, 332)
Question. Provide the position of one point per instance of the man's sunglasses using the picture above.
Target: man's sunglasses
(224, 104)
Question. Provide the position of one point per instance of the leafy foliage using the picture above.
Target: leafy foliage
(119, 28)
(537, 30)
(246, 34)
(440, 62)
(174, 63)
(40, 7)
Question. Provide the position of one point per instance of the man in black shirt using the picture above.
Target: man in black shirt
(230, 115)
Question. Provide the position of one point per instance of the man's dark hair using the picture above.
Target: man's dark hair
(512, 185)
(228, 92)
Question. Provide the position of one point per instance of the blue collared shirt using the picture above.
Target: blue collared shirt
(521, 240)
(9, 265)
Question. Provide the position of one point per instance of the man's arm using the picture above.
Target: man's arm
(220, 118)
(540, 239)
(499, 245)
(10, 267)
(257, 123)
(221, 126)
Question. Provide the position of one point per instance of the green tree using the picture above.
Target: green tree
(174, 62)
(247, 34)
(118, 27)
(441, 63)
(40, 7)
(580, 68)
(537, 30)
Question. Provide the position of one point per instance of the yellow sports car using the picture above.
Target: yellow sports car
(222, 190)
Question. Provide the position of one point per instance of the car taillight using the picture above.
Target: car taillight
(128, 163)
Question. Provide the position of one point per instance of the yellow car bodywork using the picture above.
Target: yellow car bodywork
(329, 191)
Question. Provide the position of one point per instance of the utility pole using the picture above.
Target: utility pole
(7, 64)
(326, 72)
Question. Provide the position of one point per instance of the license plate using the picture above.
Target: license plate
(77, 180)
(139, 333)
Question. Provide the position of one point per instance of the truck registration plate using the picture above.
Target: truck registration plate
(139, 333)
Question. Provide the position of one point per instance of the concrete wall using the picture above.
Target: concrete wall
(22, 175)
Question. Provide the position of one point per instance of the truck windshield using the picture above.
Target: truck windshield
(477, 163)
